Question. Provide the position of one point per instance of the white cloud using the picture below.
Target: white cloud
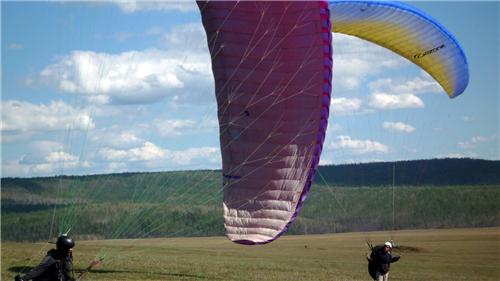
(174, 127)
(44, 158)
(333, 127)
(60, 156)
(16, 46)
(148, 151)
(467, 118)
(479, 139)
(458, 155)
(155, 30)
(157, 156)
(157, 5)
(116, 138)
(25, 116)
(138, 77)
(187, 156)
(324, 161)
(184, 37)
(388, 101)
(123, 36)
(417, 85)
(116, 167)
(54, 158)
(98, 99)
(358, 146)
(398, 126)
(126, 77)
(17, 168)
(37, 151)
(345, 106)
(474, 141)
(355, 59)
(16, 136)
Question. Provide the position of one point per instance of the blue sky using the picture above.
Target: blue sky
(95, 87)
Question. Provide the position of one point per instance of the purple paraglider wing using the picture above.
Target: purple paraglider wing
(272, 66)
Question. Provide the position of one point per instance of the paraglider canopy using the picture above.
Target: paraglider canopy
(408, 32)
(272, 66)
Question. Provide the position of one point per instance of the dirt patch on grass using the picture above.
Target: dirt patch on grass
(409, 249)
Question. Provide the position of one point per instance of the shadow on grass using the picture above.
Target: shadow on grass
(20, 269)
(100, 271)
(24, 269)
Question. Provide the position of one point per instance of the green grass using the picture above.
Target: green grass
(445, 254)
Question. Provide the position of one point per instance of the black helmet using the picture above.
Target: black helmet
(64, 242)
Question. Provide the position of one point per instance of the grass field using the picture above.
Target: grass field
(446, 254)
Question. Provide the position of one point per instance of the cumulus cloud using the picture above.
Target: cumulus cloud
(416, 85)
(345, 106)
(398, 126)
(127, 77)
(99, 99)
(57, 115)
(148, 151)
(155, 154)
(37, 151)
(184, 37)
(474, 141)
(179, 127)
(389, 101)
(187, 156)
(358, 146)
(158, 5)
(116, 138)
(116, 167)
(44, 158)
(53, 158)
(138, 77)
(355, 59)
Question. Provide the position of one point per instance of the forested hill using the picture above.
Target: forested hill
(428, 194)
(450, 171)
(439, 172)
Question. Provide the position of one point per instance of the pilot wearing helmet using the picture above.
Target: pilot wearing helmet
(57, 264)
(379, 262)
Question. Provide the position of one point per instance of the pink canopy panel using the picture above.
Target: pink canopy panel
(272, 65)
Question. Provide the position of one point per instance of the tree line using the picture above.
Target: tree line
(427, 194)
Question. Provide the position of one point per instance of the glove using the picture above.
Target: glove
(369, 258)
(18, 278)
